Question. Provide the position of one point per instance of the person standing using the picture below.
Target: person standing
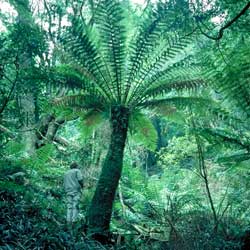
(73, 183)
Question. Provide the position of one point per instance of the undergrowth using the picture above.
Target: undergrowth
(33, 218)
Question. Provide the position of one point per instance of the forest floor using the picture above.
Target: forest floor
(34, 218)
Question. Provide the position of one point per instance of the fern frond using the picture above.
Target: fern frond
(148, 37)
(178, 102)
(81, 102)
(166, 87)
(77, 78)
(210, 111)
(234, 158)
(42, 156)
(77, 42)
(233, 81)
(68, 76)
(225, 137)
(184, 68)
(173, 48)
(110, 25)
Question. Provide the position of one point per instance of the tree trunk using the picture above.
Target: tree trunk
(46, 133)
(27, 105)
(100, 211)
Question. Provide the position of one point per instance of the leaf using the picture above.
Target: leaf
(41, 157)
(89, 122)
(143, 131)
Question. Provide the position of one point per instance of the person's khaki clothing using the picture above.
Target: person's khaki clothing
(73, 206)
(73, 193)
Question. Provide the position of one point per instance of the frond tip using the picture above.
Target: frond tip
(80, 102)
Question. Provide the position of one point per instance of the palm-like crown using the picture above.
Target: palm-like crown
(112, 65)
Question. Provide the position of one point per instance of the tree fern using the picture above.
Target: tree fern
(120, 75)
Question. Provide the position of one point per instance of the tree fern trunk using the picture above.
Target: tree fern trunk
(100, 210)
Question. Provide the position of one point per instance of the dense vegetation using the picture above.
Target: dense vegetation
(151, 100)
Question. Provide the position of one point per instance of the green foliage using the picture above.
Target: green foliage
(14, 149)
(175, 199)
(42, 157)
(226, 76)
(90, 122)
(26, 36)
(143, 131)
(155, 63)
(111, 53)
(68, 76)
(180, 152)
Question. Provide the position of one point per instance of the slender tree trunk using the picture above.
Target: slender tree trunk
(204, 175)
(27, 104)
(100, 211)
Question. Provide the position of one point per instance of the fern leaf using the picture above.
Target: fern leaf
(178, 86)
(110, 25)
(77, 42)
(234, 158)
(174, 47)
(225, 78)
(178, 102)
(225, 137)
(143, 131)
(145, 41)
(68, 76)
(81, 102)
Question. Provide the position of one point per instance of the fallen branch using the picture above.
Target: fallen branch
(7, 131)
(62, 141)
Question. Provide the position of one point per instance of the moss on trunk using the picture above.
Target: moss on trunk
(100, 211)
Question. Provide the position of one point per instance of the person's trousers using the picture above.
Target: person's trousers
(73, 199)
